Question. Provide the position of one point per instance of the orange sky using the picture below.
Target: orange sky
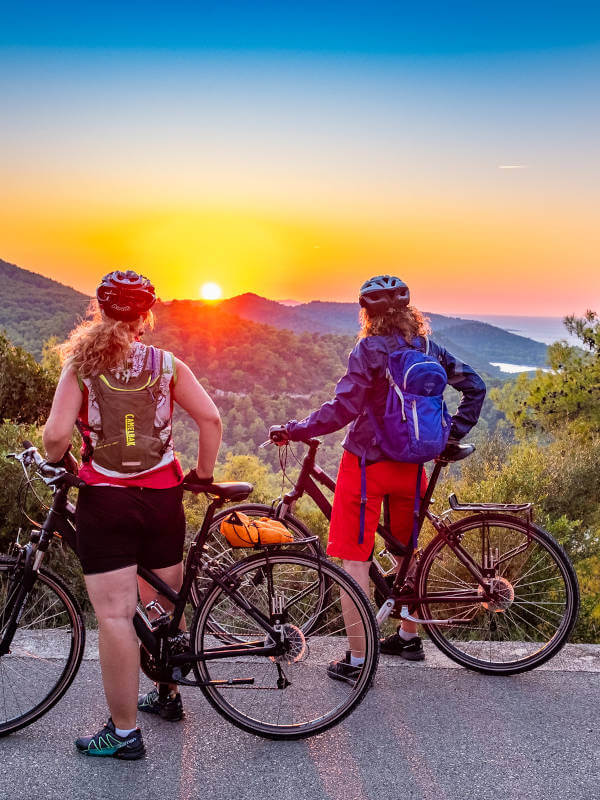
(296, 180)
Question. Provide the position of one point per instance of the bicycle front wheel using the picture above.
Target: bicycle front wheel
(46, 649)
(289, 696)
(531, 606)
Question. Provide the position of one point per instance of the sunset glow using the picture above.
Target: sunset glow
(210, 291)
(465, 163)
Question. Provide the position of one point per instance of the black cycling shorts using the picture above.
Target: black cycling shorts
(121, 526)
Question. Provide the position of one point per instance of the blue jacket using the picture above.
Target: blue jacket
(365, 384)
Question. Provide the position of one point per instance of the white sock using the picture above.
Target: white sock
(357, 662)
(405, 635)
(122, 732)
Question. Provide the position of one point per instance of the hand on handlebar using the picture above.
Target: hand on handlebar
(68, 462)
(455, 451)
(278, 435)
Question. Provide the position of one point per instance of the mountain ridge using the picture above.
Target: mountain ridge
(34, 308)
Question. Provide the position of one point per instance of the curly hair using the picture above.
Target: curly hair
(408, 322)
(100, 343)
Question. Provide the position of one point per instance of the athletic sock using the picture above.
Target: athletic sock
(123, 732)
(357, 662)
(406, 636)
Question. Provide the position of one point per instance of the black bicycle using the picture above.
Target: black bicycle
(269, 679)
(494, 591)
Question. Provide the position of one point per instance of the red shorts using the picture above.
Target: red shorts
(393, 478)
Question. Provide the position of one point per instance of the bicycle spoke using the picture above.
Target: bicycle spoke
(291, 694)
(527, 610)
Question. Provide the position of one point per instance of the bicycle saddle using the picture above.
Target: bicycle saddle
(227, 490)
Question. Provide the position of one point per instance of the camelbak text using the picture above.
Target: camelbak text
(129, 430)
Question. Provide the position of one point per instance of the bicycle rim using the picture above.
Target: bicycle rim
(46, 649)
(312, 702)
(536, 597)
(217, 547)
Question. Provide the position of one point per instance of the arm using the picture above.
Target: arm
(463, 378)
(65, 408)
(191, 396)
(351, 393)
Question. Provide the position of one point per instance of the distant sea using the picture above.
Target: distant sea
(541, 329)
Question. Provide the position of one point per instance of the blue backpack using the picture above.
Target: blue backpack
(416, 424)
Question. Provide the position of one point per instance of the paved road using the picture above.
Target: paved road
(426, 731)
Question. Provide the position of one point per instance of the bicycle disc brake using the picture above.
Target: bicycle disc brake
(294, 643)
(502, 595)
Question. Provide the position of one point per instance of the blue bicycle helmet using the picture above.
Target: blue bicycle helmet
(125, 295)
(382, 293)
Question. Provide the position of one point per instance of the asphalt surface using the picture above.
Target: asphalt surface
(427, 731)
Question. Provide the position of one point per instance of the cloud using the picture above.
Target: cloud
(512, 166)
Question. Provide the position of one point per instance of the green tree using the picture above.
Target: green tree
(567, 394)
(26, 387)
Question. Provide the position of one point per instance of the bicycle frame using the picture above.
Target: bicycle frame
(152, 638)
(401, 598)
(60, 523)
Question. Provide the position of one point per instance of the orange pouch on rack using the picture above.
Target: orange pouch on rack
(240, 530)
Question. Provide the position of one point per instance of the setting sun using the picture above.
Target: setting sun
(210, 291)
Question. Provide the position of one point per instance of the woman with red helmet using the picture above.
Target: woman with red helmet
(120, 393)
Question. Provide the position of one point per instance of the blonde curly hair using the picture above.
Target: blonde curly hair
(100, 343)
(408, 322)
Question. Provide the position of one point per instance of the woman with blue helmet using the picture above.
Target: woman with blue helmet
(386, 317)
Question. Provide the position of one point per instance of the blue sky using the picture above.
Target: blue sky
(423, 28)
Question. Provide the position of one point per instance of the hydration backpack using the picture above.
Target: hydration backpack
(128, 440)
(416, 424)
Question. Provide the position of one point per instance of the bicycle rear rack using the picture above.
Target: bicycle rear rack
(510, 508)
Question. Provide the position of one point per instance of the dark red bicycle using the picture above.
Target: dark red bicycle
(494, 591)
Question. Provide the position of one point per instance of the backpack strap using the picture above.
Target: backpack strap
(417, 508)
(363, 496)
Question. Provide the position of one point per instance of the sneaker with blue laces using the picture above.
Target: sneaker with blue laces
(170, 709)
(107, 742)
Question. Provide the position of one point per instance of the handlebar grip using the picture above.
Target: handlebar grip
(27, 445)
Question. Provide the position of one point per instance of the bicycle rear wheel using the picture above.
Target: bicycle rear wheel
(535, 598)
(291, 696)
(46, 650)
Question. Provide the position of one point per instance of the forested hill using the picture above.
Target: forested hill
(34, 308)
(476, 342)
(238, 355)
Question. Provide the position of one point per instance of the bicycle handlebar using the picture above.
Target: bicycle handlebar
(52, 476)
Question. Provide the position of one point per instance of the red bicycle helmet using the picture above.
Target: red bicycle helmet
(383, 292)
(125, 295)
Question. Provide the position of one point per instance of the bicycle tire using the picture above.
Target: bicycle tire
(218, 547)
(526, 626)
(49, 642)
(254, 708)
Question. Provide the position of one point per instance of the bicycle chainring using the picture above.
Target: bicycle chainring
(150, 667)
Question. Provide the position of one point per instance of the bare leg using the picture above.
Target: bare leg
(114, 596)
(359, 570)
